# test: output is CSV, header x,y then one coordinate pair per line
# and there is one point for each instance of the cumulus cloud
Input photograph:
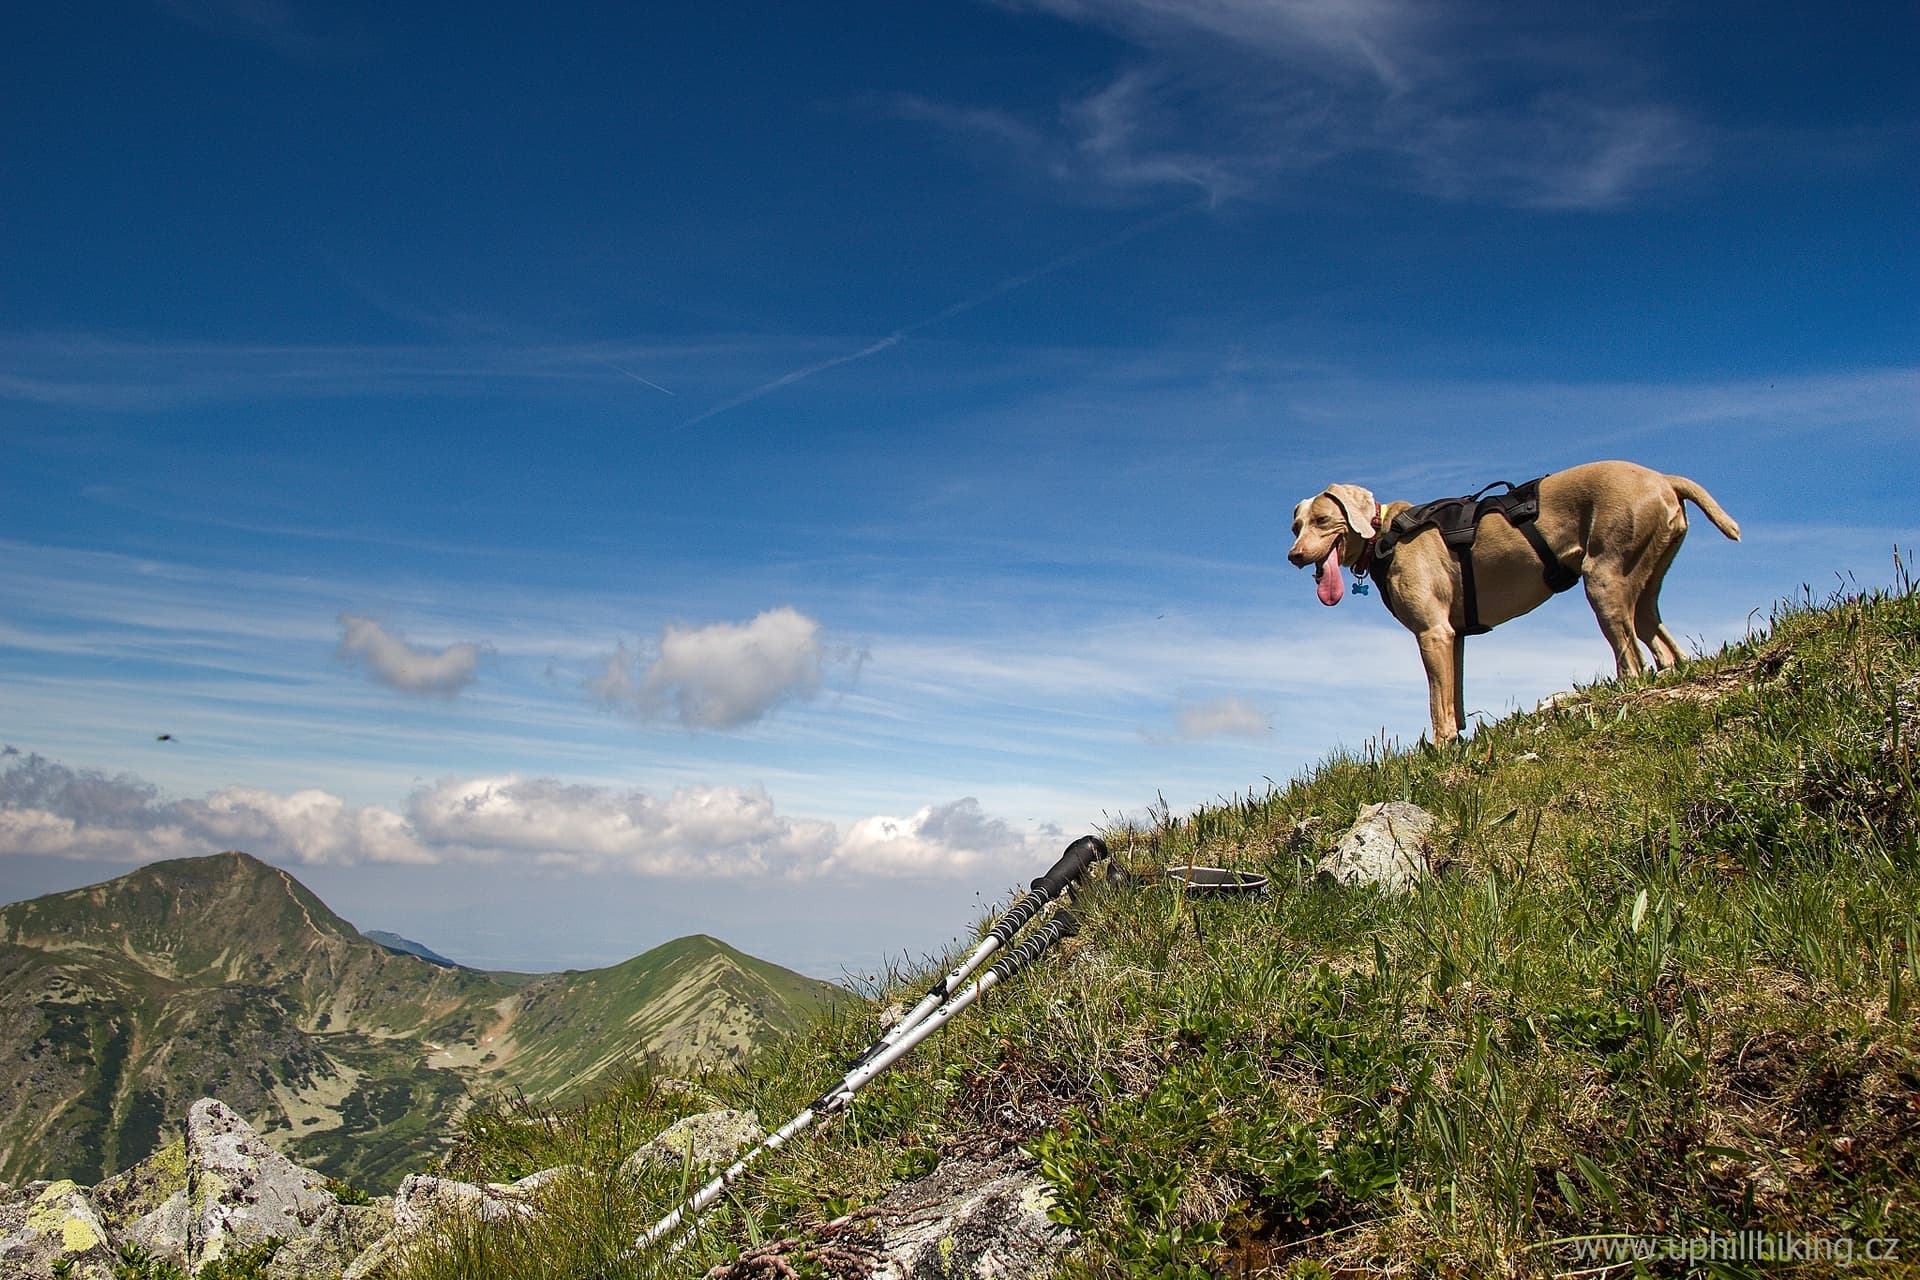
x,y
1223,717
703,831
48,808
943,839
719,676
694,831
409,668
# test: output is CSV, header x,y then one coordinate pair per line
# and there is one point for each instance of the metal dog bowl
x,y
1214,880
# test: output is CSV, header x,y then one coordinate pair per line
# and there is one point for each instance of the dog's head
x,y
1331,526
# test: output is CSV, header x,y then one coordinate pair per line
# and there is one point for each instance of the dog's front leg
x,y
1459,682
1439,654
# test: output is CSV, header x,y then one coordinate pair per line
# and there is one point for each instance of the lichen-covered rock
x,y
342,1234
1389,845
424,1200
709,1139
426,1203
241,1191
45,1225
374,1257
147,1206
969,1221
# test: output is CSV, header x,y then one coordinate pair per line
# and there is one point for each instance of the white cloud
x,y
704,831
694,831
310,825
1224,717
409,668
48,808
937,840
719,676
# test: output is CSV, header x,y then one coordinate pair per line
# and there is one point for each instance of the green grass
x,y
1666,988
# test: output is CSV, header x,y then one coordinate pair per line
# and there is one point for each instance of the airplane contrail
x,y
959,308
636,377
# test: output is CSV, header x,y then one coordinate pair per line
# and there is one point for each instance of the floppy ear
x,y
1362,512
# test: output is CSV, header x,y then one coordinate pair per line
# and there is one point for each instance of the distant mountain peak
x,y
408,947
224,976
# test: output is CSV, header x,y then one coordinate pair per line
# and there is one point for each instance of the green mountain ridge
x,y
123,1002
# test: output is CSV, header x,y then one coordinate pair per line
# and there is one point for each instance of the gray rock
x,y
425,1200
1390,845
373,1258
1554,701
425,1203
969,1221
341,1236
537,1182
709,1139
241,1191
48,1223
147,1204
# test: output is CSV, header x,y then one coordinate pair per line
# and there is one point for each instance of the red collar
x,y
1364,561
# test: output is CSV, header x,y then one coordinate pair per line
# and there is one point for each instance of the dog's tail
x,y
1685,488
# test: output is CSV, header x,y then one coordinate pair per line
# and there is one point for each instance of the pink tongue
x,y
1332,585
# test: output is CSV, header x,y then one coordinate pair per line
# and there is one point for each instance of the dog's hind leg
x,y
1614,597
1646,610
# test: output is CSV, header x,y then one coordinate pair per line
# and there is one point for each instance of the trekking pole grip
x,y
1073,864
1035,944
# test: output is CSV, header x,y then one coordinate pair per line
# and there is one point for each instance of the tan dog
x,y
1615,524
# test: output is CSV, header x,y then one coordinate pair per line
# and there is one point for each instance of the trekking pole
x,y
865,1068
1074,863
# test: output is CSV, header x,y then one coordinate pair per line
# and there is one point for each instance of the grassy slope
x,y
685,1003
1667,988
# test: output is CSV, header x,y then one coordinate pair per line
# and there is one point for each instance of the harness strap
x,y
1471,598
1458,520
1559,577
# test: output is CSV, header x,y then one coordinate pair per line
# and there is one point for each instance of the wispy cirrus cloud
x,y
410,668
1237,97
272,24
117,374
1374,39
699,831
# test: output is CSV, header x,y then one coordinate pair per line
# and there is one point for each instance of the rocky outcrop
x,y
222,1189
217,1190
708,1140
146,1206
52,1228
967,1221
426,1203
240,1191
1390,845
343,1234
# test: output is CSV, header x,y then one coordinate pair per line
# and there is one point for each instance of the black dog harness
x,y
1458,520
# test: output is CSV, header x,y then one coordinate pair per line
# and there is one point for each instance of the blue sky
x,y
568,481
